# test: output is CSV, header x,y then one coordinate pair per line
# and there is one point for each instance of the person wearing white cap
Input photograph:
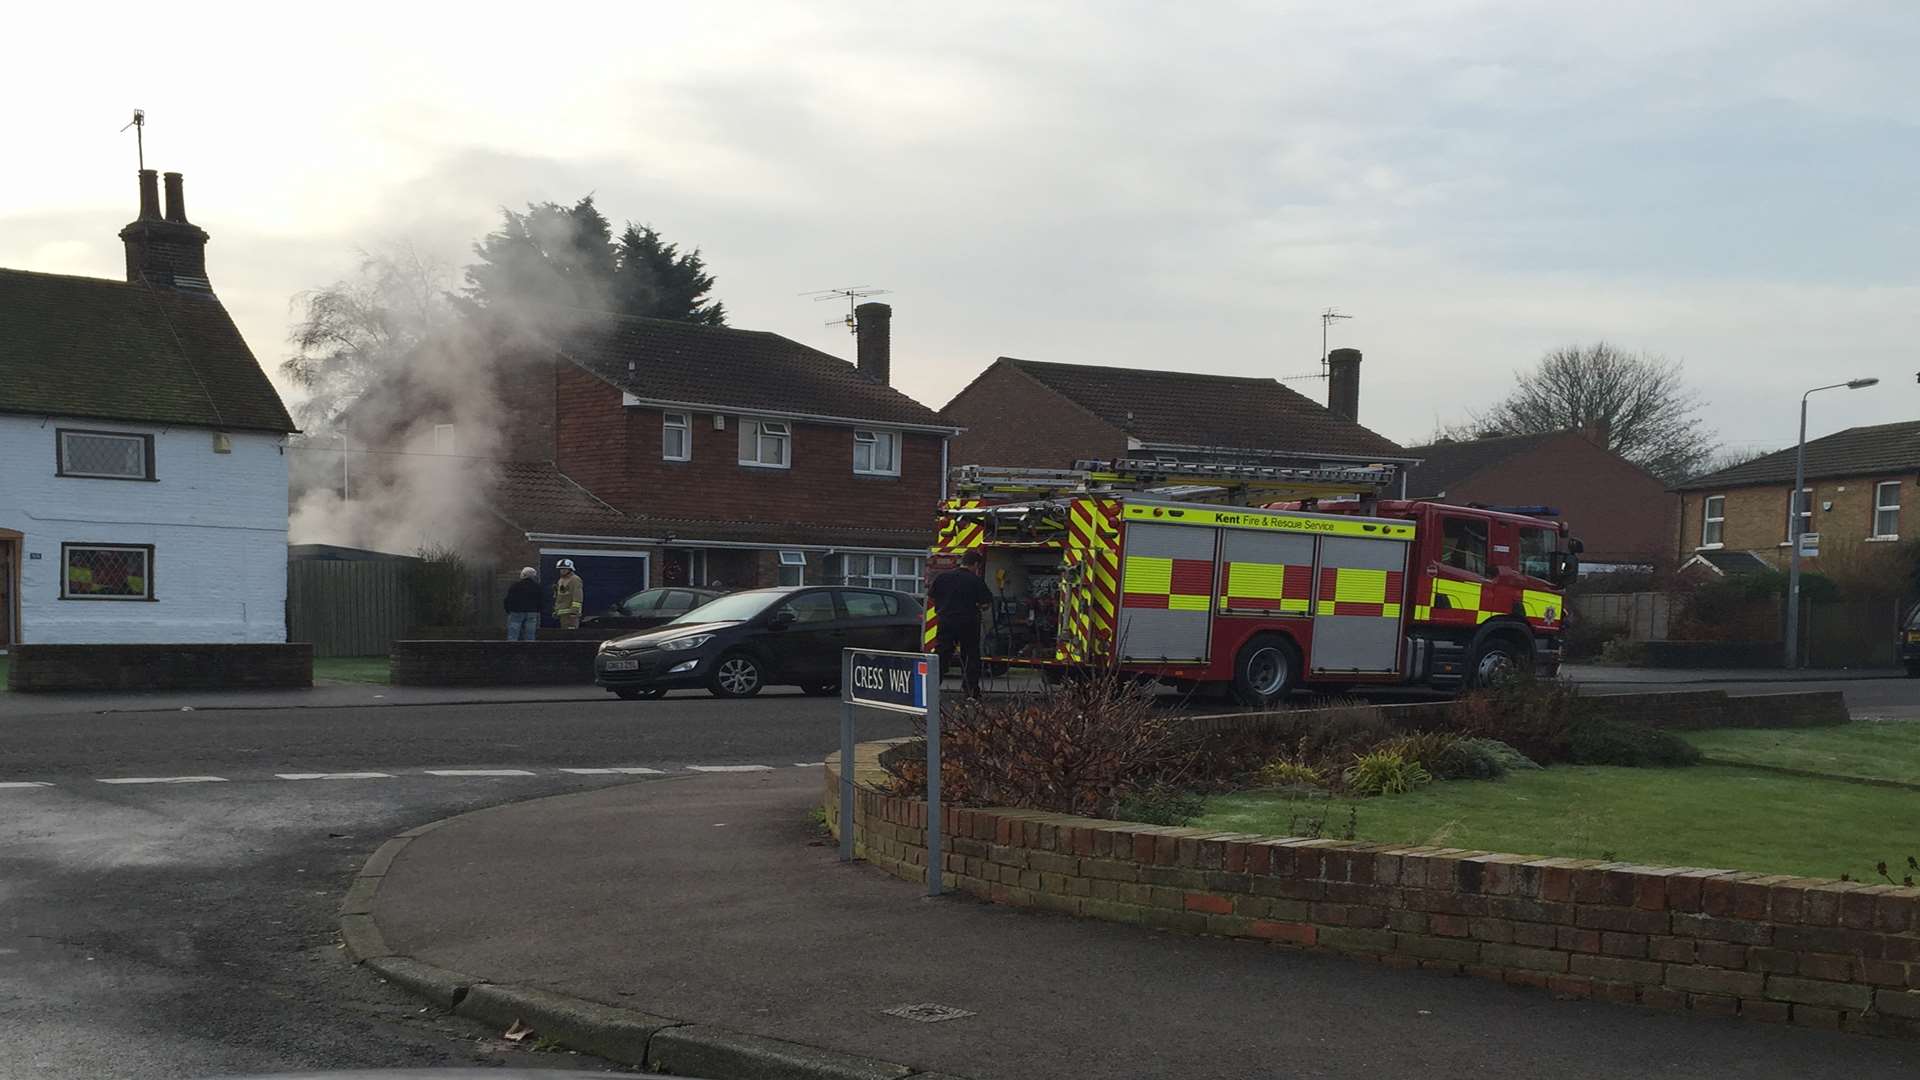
x,y
568,592
523,606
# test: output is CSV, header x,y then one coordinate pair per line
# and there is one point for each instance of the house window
x,y
1713,521
676,443
105,455
1886,510
766,443
876,453
793,568
106,572
901,573
443,441
1804,506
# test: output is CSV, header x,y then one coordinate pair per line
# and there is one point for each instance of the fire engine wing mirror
x,y
1564,567
1575,546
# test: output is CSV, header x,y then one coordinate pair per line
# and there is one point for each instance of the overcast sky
x,y
1142,184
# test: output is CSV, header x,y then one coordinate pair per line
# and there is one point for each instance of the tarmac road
x,y
187,928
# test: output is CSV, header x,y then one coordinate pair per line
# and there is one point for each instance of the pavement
x,y
183,921
715,901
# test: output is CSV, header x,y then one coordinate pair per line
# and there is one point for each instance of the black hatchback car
x,y
745,641
649,608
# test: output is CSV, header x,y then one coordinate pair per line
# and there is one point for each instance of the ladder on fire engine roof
x,y
1179,481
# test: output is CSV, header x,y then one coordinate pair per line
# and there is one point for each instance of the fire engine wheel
x,y
1265,670
1498,660
737,675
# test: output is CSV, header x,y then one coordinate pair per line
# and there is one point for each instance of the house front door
x,y
9,588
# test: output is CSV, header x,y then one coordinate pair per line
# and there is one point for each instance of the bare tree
x,y
351,332
1651,415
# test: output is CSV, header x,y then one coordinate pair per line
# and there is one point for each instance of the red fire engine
x,y
1261,578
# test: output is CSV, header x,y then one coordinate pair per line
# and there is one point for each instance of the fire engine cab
x,y
1261,579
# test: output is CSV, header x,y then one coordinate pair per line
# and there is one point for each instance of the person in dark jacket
x,y
524,603
958,598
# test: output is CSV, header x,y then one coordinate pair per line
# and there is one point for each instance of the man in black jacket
x,y
524,604
958,597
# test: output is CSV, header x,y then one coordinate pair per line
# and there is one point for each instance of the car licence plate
x,y
623,665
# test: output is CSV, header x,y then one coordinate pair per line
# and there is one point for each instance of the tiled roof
x,y
537,497
1735,562
111,350
1444,465
663,360
1861,451
1179,408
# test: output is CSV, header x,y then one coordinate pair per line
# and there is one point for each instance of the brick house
x,y
654,452
1619,511
1047,415
143,478
1856,483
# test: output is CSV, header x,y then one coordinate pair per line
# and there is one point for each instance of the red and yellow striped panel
x,y
1347,591
1266,587
1153,581
1452,602
955,535
1091,584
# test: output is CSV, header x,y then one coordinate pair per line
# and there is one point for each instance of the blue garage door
x,y
609,577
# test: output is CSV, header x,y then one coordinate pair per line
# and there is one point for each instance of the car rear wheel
x,y
1265,671
737,675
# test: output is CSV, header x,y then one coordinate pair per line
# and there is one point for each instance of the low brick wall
x,y
1808,951
1684,710
492,663
207,666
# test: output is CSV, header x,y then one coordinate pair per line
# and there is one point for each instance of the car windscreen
x,y
731,608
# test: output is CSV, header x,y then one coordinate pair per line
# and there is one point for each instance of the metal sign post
x,y
898,682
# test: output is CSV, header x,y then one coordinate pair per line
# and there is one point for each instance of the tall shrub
x,y
442,587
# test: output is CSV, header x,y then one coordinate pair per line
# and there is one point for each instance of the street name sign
x,y
887,680
904,682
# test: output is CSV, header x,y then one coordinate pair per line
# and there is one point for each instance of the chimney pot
x,y
176,199
149,195
1343,383
873,330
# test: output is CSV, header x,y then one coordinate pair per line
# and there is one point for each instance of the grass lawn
x,y
1709,816
366,669
1872,749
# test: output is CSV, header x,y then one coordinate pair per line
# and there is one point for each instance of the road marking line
x,y
478,772
24,783
334,776
164,780
624,770
729,768
808,764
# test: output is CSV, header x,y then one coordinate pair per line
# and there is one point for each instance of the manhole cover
x,y
927,1012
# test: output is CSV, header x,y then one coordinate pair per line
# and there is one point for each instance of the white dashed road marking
x,y
334,776
808,764
23,783
164,780
478,772
626,770
729,768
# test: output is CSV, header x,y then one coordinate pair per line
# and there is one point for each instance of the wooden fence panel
x,y
348,608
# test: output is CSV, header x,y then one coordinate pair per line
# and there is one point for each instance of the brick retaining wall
x,y
492,663
1685,710
192,666
1777,948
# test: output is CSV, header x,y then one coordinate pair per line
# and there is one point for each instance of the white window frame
x,y
444,439
682,423
762,433
1806,516
904,573
872,440
146,553
1709,519
62,457
1880,507
793,568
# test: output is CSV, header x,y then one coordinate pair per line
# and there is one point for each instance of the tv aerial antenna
x,y
139,126
853,295
1327,318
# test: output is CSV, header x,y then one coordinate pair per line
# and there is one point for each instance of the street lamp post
x,y
1794,519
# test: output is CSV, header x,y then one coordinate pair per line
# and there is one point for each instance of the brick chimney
x,y
873,328
1599,432
1343,383
165,252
